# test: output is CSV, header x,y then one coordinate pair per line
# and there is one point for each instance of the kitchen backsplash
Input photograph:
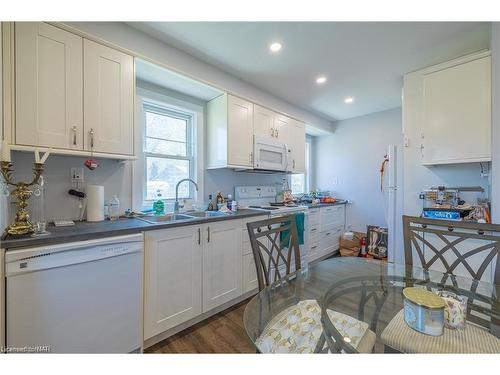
x,y
116,177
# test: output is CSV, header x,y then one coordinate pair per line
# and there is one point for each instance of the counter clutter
x,y
82,231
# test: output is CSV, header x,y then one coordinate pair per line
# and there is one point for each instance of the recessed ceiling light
x,y
320,80
348,100
275,47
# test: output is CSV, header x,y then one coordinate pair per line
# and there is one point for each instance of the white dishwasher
x,y
80,297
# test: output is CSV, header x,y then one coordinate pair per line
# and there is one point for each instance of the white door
x,y
49,104
282,127
298,147
172,293
222,263
109,99
240,132
263,122
457,113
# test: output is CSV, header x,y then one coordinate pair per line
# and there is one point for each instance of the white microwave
x,y
270,154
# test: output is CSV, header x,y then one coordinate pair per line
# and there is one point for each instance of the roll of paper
x,y
95,203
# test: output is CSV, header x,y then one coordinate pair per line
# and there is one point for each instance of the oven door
x,y
270,154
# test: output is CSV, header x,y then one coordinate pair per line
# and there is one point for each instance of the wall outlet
x,y
76,174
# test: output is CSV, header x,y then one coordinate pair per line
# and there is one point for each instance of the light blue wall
x,y
348,163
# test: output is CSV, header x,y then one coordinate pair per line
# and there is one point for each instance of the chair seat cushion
x,y
298,328
473,339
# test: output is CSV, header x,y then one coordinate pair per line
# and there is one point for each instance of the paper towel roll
x,y
95,203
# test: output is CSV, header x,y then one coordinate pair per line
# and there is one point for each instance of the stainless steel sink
x,y
166,218
206,214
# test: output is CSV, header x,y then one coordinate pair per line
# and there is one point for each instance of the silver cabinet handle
x,y
277,133
74,129
293,163
272,132
91,132
313,247
208,234
328,233
199,236
314,229
251,158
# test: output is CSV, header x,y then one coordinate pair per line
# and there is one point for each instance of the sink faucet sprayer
x,y
176,203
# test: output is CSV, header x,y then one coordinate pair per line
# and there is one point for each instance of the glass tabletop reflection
x,y
368,292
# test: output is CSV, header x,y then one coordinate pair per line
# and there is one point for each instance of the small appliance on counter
x,y
447,203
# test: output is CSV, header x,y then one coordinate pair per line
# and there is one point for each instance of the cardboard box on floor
x,y
351,248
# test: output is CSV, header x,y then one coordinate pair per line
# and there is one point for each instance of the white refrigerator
x,y
392,191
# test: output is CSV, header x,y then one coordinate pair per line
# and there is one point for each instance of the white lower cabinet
x,y
222,262
173,289
325,226
249,274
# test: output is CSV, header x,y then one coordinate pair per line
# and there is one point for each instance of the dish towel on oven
x,y
299,223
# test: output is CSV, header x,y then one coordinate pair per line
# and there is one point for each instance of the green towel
x,y
299,223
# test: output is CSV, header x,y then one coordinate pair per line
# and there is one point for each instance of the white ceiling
x,y
361,59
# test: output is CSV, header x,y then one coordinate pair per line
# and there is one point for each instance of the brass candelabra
x,y
22,192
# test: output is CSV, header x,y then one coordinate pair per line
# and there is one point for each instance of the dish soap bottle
x,y
114,208
159,205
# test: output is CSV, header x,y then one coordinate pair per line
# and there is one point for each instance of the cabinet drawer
x,y
330,238
332,216
314,234
313,216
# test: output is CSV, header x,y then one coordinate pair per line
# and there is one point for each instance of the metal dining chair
x,y
275,248
455,248
277,257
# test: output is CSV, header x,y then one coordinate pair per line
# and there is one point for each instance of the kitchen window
x,y
168,151
300,183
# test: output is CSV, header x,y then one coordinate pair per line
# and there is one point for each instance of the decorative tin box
x,y
424,311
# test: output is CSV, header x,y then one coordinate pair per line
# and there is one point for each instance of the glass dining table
x,y
355,305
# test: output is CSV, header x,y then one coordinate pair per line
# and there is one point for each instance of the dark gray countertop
x,y
82,231
340,201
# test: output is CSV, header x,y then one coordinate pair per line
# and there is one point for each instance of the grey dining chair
x,y
455,248
277,257
275,248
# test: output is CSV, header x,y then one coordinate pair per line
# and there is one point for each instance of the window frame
x,y
151,106
308,165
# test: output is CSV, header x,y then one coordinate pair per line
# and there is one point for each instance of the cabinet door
x,y
222,263
109,99
282,127
172,293
457,113
249,274
263,122
298,146
48,86
239,132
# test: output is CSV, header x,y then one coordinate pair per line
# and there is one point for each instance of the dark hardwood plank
x,y
221,333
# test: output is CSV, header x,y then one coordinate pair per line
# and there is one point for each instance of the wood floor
x,y
221,333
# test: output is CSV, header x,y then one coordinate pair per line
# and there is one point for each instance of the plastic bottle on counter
x,y
159,205
114,208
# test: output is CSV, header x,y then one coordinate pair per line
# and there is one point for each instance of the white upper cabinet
x,y
457,113
297,146
282,128
263,122
230,132
269,124
48,80
109,99
71,93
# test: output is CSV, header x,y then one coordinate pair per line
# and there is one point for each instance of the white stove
x,y
262,198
